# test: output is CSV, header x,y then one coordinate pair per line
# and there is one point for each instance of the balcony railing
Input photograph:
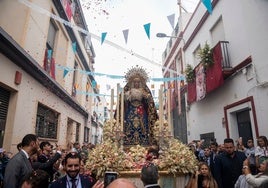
x,y
225,62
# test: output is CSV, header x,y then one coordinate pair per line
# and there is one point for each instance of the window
x,y
217,32
195,56
46,122
87,90
179,64
74,79
4,98
49,63
86,134
96,139
207,137
77,132
52,31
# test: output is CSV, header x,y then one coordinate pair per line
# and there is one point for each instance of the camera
x,y
109,177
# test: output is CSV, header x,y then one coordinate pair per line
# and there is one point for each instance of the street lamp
x,y
163,35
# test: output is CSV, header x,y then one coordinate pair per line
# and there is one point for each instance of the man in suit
x,y
19,166
228,165
73,179
149,176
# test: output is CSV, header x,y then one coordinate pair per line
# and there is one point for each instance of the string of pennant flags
x,y
70,8
81,92
94,84
171,19
66,70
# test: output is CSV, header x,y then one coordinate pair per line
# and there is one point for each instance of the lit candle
x,y
117,106
122,111
112,104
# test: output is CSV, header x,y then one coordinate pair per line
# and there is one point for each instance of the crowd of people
x,y
231,164
40,165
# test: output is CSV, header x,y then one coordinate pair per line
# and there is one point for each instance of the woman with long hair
x,y
262,149
202,178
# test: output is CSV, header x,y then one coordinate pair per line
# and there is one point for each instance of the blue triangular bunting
x,y
208,5
147,29
103,35
65,72
49,54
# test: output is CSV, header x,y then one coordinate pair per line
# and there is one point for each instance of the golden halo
x,y
137,73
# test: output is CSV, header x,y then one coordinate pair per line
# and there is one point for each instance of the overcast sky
x,y
114,16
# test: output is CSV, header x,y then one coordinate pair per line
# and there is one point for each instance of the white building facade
x,y
43,86
233,102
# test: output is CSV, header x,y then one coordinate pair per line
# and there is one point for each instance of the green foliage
x,y
206,56
189,73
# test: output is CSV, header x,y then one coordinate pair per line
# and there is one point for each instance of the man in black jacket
x,y
46,161
228,165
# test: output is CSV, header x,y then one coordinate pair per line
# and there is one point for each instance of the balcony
x,y
227,69
213,76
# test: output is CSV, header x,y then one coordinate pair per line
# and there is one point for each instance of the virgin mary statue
x,y
139,109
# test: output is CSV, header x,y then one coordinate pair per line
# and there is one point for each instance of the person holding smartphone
x,y
109,177
250,153
202,178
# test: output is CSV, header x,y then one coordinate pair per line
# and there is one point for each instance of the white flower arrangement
x,y
175,158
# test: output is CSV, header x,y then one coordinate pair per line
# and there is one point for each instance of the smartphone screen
x,y
109,177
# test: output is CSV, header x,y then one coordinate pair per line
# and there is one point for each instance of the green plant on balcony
x,y
189,73
206,56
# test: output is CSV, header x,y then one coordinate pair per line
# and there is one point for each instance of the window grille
x,y
46,122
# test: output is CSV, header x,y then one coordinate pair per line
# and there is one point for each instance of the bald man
x,y
121,182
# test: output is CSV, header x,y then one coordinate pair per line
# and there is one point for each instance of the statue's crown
x,y
137,72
